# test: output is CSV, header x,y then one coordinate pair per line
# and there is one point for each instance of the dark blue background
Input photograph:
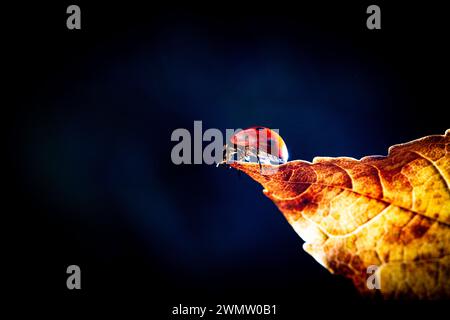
x,y
95,109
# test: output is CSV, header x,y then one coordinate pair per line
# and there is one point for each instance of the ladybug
x,y
256,144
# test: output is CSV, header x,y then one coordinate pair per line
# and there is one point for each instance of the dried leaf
x,y
392,212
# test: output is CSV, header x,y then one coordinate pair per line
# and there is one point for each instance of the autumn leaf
x,y
385,213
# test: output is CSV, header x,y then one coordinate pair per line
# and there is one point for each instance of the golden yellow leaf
x,y
385,213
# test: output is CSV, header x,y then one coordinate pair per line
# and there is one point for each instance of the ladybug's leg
x,y
259,161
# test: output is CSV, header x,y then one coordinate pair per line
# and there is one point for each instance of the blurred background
x,y
94,109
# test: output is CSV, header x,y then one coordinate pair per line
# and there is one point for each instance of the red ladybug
x,y
260,142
